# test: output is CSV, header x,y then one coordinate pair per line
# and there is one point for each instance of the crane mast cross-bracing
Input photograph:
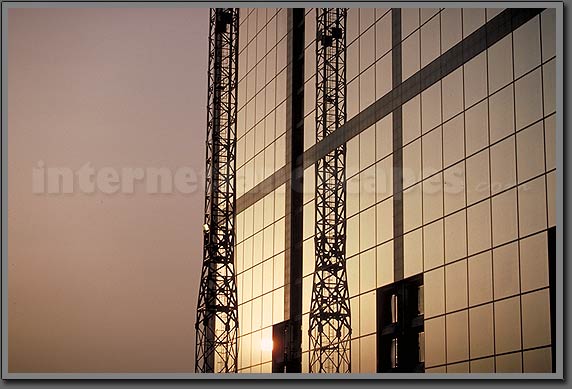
x,y
330,320
217,310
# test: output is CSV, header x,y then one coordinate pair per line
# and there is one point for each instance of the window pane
x,y
352,156
430,41
451,28
309,258
482,337
538,361
532,206
384,211
534,262
503,165
453,140
367,188
352,63
452,94
507,329
528,92
411,119
456,286
412,209
485,365
257,253
475,73
431,107
352,266
352,196
278,305
409,21
367,349
366,46
309,220
501,109
432,198
385,264
352,98
530,154
473,18
367,320
411,55
267,276
353,24
457,337
479,227
412,163
367,147
480,278
384,178
367,232
278,270
435,342
267,309
454,187
413,253
504,217
367,271
455,236
478,180
509,363
434,289
500,64
384,137
383,36
432,152
352,241
505,270
477,127
433,245
526,47
257,314
383,76
366,88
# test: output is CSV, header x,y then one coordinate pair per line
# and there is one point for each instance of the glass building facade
x,y
451,188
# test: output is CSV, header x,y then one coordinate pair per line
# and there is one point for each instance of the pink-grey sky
x,y
104,282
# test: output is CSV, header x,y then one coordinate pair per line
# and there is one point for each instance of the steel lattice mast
x,y
217,309
330,322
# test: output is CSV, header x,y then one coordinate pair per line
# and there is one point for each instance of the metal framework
x,y
330,321
217,309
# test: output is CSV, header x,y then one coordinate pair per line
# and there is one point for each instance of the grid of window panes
x,y
479,190
260,279
261,120
479,193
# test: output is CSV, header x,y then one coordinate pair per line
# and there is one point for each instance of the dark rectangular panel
x,y
294,184
396,60
400,327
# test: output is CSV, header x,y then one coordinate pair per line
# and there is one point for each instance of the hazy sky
x,y
104,282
